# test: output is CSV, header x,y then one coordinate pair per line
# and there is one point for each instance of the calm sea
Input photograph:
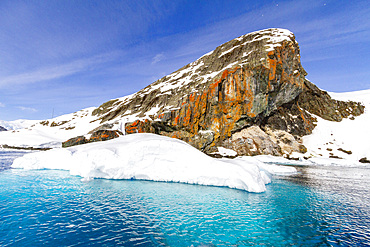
x,y
321,206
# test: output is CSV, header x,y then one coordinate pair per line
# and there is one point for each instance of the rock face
x,y
2,129
249,94
225,91
319,103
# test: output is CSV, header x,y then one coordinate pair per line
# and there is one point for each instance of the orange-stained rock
x,y
253,82
235,98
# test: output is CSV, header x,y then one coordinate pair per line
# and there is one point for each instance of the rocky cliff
x,y
2,129
249,94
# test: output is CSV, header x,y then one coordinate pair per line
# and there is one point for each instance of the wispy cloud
x,y
157,58
55,72
28,109
2,105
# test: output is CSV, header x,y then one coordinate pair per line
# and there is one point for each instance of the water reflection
x,y
349,207
347,181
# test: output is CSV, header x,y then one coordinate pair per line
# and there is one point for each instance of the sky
x,y
60,56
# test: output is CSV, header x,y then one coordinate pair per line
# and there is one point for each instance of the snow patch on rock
x,y
226,152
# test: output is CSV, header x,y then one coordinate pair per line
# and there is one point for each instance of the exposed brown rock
x,y
254,141
103,135
100,135
334,156
55,124
344,151
74,141
364,160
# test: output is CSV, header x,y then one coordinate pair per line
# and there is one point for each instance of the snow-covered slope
x,y
154,157
17,124
51,132
348,139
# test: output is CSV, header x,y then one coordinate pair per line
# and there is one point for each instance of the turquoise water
x,y
314,208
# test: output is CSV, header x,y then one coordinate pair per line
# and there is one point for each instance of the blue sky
x,y
63,55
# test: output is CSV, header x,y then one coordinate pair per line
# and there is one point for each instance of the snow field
x,y
349,135
45,136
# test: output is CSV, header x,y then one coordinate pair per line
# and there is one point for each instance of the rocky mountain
x,y
2,129
249,95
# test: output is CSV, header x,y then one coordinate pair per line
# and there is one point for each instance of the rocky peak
x,y
265,51
249,94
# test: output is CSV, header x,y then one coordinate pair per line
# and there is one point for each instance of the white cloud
x,y
2,105
157,58
29,109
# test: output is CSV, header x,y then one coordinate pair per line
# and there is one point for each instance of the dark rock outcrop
x,y
292,118
298,117
319,103
100,135
364,160
2,128
75,141
24,148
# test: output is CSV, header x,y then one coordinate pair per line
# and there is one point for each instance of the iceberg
x,y
152,157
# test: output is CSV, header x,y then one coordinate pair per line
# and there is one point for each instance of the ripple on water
x,y
53,208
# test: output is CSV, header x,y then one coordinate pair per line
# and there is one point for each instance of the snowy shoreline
x,y
153,157
156,158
